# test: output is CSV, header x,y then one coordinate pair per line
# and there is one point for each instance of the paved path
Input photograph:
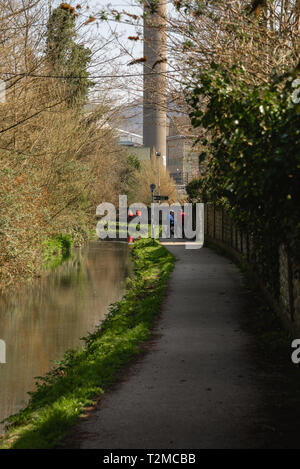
x,y
198,386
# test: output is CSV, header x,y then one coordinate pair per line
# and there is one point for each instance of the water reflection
x,y
40,323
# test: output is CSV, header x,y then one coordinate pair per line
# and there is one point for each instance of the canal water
x,y
39,323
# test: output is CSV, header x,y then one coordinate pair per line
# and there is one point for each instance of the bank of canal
x,y
85,373
40,322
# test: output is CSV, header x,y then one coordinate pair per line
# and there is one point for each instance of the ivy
x,y
66,57
253,154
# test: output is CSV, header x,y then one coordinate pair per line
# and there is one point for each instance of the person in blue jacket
x,y
171,218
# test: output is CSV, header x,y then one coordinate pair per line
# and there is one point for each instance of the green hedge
x,y
252,156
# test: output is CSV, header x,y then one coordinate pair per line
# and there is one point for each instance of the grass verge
x,y
82,374
57,249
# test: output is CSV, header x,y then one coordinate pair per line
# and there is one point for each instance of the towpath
x,y
202,383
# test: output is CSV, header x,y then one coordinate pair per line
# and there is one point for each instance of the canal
x,y
40,322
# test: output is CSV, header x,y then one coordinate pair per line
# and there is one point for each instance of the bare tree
x,y
57,163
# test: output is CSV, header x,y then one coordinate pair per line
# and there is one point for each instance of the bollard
x,y
130,240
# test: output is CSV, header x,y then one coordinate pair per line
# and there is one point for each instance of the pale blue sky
x,y
112,51
109,42
115,56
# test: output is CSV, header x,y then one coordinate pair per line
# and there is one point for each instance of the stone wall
x,y
221,231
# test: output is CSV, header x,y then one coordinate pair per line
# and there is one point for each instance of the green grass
x,y
57,249
84,374
119,229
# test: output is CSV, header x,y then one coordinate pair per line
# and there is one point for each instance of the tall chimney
x,y
155,102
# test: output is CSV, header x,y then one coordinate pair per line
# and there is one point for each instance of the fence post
x,y
222,224
214,222
247,242
291,286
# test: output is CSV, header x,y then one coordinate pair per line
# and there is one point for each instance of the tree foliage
x,y
262,35
253,153
58,160
194,189
66,57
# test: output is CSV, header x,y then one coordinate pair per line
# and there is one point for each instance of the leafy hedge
x,y
57,249
252,156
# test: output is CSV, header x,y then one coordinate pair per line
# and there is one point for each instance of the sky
x,y
128,88
124,30
112,50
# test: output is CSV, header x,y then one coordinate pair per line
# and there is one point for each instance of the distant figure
x,y
171,218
